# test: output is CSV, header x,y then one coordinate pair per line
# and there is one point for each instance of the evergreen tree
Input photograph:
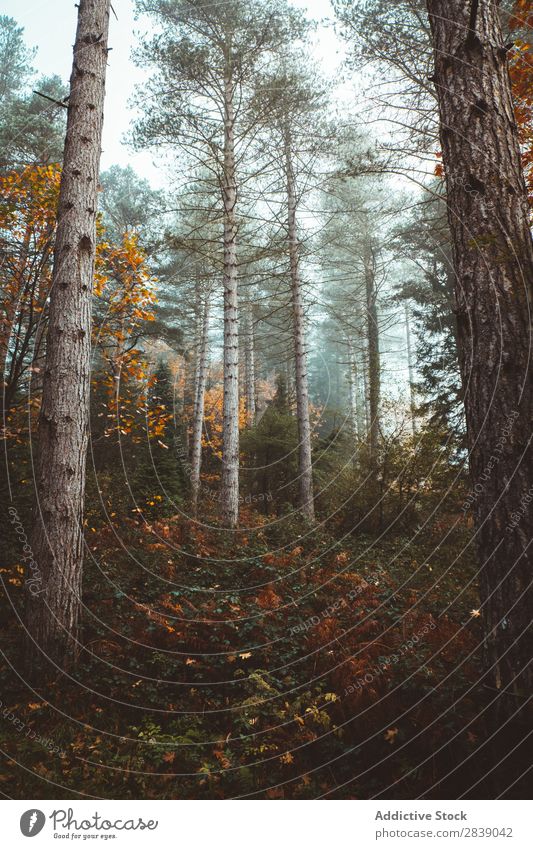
x,y
159,480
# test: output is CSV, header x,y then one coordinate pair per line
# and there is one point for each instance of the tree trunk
x,y
53,607
305,467
230,427
493,261
289,381
198,415
249,366
353,380
38,359
10,307
362,371
365,393
197,338
193,371
410,370
374,363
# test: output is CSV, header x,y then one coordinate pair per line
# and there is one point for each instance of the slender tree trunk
x,y
493,261
410,370
289,381
53,608
38,358
365,395
361,386
374,363
198,324
193,371
306,498
230,427
10,309
353,379
249,366
198,416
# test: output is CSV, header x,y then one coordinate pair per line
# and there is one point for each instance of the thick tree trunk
x,y
374,362
230,427
493,260
249,365
198,415
305,467
53,609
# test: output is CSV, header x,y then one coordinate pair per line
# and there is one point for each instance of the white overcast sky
x,y
49,25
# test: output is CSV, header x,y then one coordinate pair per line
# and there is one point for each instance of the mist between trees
x,y
277,415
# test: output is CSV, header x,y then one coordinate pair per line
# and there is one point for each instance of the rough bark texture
x,y
57,541
374,362
249,366
198,415
230,428
493,260
305,466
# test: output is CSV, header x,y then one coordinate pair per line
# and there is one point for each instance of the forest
x,y
267,403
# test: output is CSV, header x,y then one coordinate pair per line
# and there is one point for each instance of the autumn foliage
x,y
521,71
124,296
28,203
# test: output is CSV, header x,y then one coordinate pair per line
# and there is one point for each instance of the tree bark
x,y
249,365
193,371
493,261
353,381
199,401
410,370
38,359
365,395
53,608
305,466
230,427
374,362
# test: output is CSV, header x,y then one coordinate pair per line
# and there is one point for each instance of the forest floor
x,y
314,668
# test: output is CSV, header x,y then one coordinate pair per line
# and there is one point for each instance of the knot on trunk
x,y
86,244
473,186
